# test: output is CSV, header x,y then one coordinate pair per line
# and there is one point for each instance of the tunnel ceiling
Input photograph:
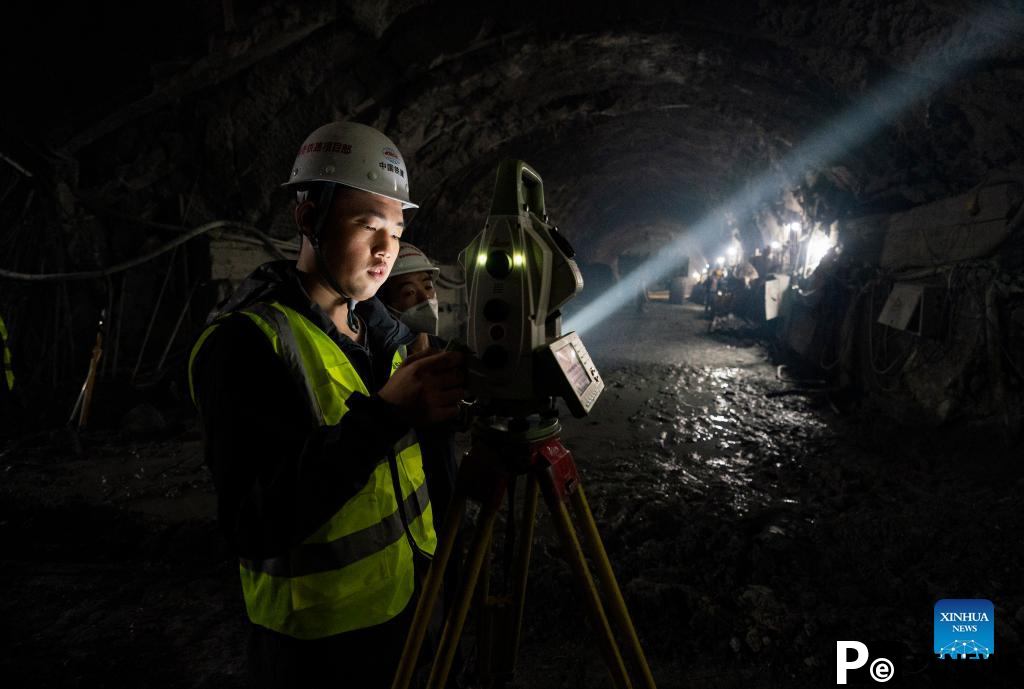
x,y
636,114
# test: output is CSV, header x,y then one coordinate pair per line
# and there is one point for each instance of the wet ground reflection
x,y
751,528
707,431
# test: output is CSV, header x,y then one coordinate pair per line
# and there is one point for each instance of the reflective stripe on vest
x,y
313,558
356,570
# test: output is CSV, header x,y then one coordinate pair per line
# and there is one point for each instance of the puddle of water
x,y
710,431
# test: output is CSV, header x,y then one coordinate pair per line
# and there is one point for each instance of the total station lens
x,y
496,310
495,356
499,264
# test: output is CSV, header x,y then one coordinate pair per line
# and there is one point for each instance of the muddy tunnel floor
x,y
750,529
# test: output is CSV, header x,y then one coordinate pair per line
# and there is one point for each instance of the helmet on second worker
x,y
353,155
412,260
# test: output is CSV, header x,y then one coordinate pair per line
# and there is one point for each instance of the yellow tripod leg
x,y
507,649
485,622
522,567
603,567
592,601
457,617
430,594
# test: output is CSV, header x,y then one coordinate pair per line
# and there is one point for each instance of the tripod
x,y
498,455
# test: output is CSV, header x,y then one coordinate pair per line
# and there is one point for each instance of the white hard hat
x,y
356,156
412,260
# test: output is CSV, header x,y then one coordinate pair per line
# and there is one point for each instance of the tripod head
x,y
519,272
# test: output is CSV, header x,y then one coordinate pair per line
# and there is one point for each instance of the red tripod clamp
x,y
562,466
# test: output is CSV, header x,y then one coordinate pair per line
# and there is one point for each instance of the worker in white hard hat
x,y
409,295
308,402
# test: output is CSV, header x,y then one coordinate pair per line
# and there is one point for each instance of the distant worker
x,y
773,257
308,404
10,412
745,272
7,384
711,286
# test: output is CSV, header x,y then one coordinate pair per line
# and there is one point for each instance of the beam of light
x,y
817,246
936,66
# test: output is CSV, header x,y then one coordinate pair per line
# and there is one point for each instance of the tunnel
x,y
798,229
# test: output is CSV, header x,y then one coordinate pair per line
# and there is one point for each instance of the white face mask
x,y
421,318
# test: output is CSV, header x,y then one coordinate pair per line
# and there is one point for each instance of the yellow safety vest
x,y
7,369
356,570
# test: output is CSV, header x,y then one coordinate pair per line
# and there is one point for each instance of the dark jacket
x,y
278,476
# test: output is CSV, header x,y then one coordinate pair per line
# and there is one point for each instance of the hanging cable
x,y
159,251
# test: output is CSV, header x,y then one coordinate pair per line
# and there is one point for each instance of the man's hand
x,y
427,387
420,344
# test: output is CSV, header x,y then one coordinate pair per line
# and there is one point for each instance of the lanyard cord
x,y
393,466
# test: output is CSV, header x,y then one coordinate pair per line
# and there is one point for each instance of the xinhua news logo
x,y
964,629
855,664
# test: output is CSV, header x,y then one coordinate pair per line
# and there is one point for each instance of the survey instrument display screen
x,y
569,362
576,379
